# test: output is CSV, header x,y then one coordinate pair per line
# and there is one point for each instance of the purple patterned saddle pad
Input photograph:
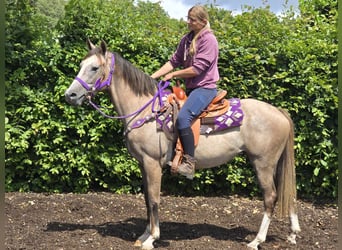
x,y
232,118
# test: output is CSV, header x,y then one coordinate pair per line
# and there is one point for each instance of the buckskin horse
x,y
266,135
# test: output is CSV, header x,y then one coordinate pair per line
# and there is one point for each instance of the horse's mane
x,y
139,82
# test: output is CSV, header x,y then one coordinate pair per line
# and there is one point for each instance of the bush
x,y
290,62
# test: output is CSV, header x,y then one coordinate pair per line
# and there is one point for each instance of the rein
x,y
158,95
99,85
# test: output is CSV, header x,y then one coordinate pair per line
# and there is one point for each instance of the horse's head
x,y
90,78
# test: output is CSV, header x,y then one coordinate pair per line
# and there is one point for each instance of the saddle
x,y
218,106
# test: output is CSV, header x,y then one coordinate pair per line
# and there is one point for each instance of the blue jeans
x,y
197,101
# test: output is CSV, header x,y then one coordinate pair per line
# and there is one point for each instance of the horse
x,y
266,136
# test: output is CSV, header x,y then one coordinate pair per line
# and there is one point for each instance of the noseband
x,y
98,84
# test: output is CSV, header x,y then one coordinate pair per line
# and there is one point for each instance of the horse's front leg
x,y
151,173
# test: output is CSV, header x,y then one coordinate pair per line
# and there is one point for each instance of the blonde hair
x,y
200,13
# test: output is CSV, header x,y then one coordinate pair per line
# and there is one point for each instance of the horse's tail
x,y
286,175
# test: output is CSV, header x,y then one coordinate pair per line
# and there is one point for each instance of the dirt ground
x,y
112,221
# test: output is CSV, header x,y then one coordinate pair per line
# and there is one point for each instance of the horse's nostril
x,y
73,98
70,95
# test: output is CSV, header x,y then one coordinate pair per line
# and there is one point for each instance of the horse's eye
x,y
94,68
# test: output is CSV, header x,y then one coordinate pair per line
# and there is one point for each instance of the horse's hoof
x,y
292,239
252,246
137,243
147,247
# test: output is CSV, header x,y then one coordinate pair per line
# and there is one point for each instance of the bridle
x,y
98,84
101,84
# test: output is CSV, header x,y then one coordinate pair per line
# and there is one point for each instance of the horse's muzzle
x,y
73,98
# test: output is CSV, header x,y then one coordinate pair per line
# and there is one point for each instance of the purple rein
x,y
99,85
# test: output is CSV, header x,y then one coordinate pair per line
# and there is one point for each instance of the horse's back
x,y
262,115
264,129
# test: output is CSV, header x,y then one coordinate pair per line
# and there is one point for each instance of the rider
x,y
196,57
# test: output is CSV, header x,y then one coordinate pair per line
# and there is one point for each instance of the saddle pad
x,y
232,118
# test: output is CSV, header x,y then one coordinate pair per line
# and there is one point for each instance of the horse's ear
x,y
90,44
103,46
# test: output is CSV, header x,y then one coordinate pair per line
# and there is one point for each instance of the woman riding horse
x,y
197,53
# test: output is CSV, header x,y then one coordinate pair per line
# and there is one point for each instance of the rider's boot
x,y
187,167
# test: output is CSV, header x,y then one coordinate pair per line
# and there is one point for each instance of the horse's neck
x,y
126,102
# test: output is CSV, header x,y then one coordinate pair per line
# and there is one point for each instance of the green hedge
x,y
290,62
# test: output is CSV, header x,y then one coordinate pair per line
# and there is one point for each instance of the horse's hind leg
x,y
295,228
265,176
152,181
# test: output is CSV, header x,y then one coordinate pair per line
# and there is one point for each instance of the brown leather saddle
x,y
218,106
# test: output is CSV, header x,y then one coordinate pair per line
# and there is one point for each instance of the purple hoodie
x,y
204,61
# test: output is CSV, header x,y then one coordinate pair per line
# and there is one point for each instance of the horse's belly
x,y
215,150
